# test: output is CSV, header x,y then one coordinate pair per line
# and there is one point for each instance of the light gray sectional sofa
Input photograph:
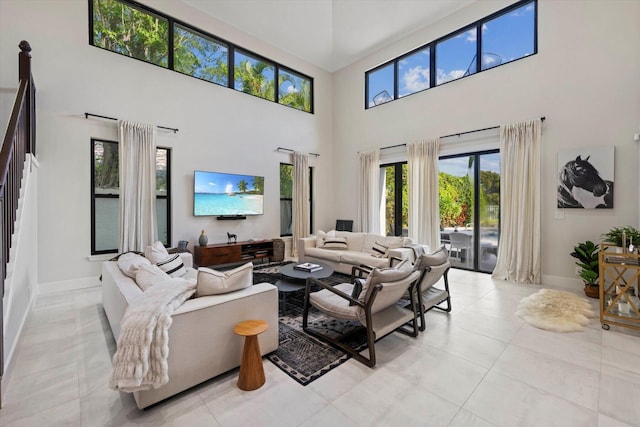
x,y
202,344
360,249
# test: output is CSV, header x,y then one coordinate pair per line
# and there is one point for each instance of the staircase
x,y
18,150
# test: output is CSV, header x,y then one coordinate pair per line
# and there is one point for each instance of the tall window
x,y
105,194
286,199
396,201
137,31
497,39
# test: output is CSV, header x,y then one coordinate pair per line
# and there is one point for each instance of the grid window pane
x,y
161,171
253,76
129,31
456,56
413,73
380,85
200,56
294,90
105,167
107,223
509,37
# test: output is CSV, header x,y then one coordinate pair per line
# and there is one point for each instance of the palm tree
x,y
258,184
242,186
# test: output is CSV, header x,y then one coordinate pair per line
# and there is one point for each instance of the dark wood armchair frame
x,y
420,301
411,328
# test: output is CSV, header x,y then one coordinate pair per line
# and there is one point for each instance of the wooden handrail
x,y
19,140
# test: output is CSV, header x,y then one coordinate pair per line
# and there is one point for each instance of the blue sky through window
x,y
381,81
510,36
506,38
413,72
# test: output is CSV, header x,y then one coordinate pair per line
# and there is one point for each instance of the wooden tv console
x,y
228,253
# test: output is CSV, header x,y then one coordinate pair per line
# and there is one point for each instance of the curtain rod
x,y
289,150
455,134
86,116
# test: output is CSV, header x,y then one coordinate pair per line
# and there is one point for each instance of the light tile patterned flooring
x,y
478,366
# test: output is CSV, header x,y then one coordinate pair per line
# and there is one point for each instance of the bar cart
x,y
619,287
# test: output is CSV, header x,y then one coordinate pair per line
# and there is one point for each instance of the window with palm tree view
x,y
469,188
134,30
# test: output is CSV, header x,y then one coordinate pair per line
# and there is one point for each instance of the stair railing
x,y
19,140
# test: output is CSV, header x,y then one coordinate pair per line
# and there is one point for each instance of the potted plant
x,y
587,255
614,236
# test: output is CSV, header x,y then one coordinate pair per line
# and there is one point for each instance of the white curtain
x,y
519,252
369,206
300,199
137,157
424,197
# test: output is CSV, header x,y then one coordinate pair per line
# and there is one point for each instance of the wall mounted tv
x,y
227,195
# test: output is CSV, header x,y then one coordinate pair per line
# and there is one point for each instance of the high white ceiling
x,y
329,33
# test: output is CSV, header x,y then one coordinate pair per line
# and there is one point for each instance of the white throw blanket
x,y
140,362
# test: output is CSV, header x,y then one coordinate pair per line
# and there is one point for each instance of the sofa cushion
x,y
214,282
354,240
321,235
173,266
335,243
357,258
149,275
156,252
333,255
130,262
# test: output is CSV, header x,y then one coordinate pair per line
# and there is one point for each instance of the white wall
x,y
220,129
584,79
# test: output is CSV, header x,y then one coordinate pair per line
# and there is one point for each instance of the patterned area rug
x,y
301,356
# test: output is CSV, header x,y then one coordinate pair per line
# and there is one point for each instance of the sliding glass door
x,y
470,209
395,201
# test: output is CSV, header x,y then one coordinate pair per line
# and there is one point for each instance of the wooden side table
x,y
251,370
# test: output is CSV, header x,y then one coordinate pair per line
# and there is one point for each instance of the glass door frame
x,y
476,204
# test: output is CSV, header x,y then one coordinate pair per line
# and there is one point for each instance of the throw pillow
x,y
149,275
214,282
380,250
173,266
335,243
129,263
439,257
321,235
156,252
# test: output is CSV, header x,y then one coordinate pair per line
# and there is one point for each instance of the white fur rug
x,y
556,311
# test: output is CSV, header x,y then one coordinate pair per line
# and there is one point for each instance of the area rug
x,y
301,356
556,311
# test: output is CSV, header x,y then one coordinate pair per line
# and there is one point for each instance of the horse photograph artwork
x,y
585,178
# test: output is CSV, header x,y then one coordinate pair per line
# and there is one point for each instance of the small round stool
x,y
251,370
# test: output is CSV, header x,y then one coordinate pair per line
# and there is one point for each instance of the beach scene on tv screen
x,y
227,194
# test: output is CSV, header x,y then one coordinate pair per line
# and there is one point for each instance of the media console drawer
x,y
228,253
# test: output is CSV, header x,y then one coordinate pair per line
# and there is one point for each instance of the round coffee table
x,y
294,280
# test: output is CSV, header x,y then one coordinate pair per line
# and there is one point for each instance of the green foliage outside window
x,y
199,56
133,31
129,31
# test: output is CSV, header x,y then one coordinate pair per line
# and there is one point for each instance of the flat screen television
x,y
226,194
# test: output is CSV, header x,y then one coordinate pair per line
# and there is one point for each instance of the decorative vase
x,y
203,239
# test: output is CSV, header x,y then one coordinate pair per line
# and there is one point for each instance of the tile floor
x,y
478,366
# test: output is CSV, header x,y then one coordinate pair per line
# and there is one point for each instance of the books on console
x,y
308,267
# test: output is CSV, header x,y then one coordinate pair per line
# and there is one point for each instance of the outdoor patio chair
x,y
374,306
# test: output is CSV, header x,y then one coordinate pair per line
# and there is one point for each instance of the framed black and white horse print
x,y
585,178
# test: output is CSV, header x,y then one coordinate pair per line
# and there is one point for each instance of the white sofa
x,y
359,250
202,344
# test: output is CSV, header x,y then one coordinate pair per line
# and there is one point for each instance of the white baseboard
x,y
562,282
68,285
